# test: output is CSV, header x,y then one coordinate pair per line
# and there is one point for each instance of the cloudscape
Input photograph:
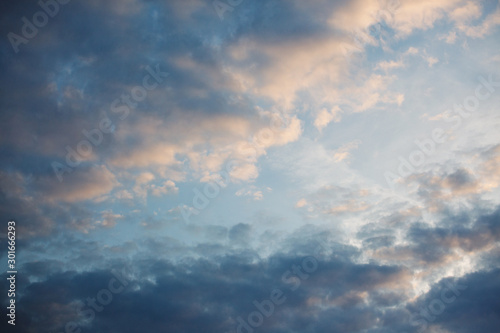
x,y
241,166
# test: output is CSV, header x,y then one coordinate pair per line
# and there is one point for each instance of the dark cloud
x,y
464,305
342,294
240,233
209,295
432,244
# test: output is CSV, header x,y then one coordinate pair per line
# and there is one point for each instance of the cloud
x,y
251,97
240,233
441,187
231,138
471,11
415,14
109,219
168,187
253,192
301,203
343,152
388,65
82,184
210,296
324,117
144,185
446,245
470,309
431,61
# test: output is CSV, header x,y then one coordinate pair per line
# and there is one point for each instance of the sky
x,y
277,166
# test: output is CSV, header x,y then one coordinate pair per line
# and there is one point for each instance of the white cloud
x,y
387,65
253,192
168,187
301,203
324,117
344,152
431,61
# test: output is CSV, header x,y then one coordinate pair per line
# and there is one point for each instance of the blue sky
x,y
202,149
